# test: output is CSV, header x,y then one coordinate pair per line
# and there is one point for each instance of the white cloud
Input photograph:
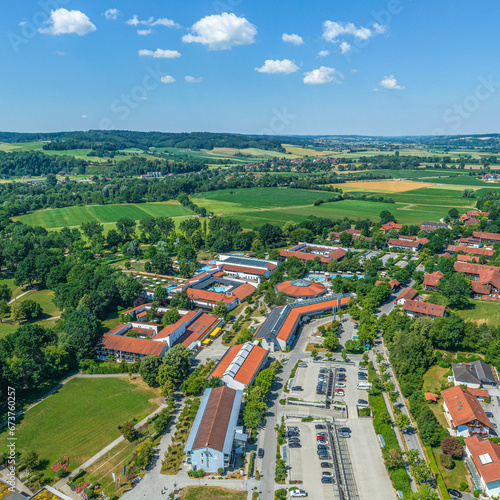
x,y
144,32
60,53
63,21
221,32
112,14
390,83
345,47
293,38
192,79
22,23
323,53
165,22
151,21
323,75
278,67
167,79
84,116
160,53
332,30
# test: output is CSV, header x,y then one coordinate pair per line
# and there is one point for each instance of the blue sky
x,y
393,67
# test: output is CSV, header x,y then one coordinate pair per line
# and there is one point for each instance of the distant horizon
x,y
385,69
284,136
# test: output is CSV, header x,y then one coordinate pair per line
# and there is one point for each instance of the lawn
x,y
452,477
211,493
433,378
81,418
45,299
482,311
107,214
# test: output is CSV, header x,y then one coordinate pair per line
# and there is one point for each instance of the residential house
x,y
483,462
432,226
395,284
405,244
128,349
487,237
431,281
464,413
215,437
408,294
240,365
309,251
416,309
390,225
487,253
473,374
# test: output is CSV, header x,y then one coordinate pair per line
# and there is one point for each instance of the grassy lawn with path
x,y
483,311
211,493
81,418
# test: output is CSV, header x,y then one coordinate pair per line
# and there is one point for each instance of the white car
x,y
297,493
340,385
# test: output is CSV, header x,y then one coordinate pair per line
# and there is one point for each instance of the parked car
x,y
489,414
323,434
322,447
323,370
292,433
340,385
327,473
494,425
294,445
297,493
321,438
327,480
344,435
320,426
341,369
297,388
454,493
302,365
260,453
362,402
363,367
339,392
326,465
291,428
344,429
294,440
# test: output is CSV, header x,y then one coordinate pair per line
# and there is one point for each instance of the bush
x,y
452,447
463,486
476,494
447,462
280,494
220,471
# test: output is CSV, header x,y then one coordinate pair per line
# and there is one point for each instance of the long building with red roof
x,y
279,330
483,462
240,365
311,251
487,237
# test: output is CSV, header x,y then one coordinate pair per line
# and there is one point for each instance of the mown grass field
x,y
81,418
482,311
75,216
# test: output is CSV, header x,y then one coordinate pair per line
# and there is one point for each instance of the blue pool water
x,y
203,269
219,289
237,253
333,276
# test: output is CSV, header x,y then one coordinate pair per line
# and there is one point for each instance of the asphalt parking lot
x,y
306,466
307,378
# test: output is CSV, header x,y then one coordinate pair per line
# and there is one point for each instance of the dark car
x,y
362,402
344,435
454,493
326,480
297,388
344,429
341,369
322,447
294,445
260,453
292,433
323,456
326,465
323,370
320,426
294,440
327,474
489,414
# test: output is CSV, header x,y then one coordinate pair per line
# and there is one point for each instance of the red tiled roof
x,y
489,277
247,370
206,296
130,344
480,289
243,291
246,269
430,396
334,255
490,472
479,393
391,225
394,283
403,243
213,425
169,329
197,329
476,269
467,258
432,279
313,290
474,251
424,308
294,315
464,407
486,236
408,294
471,222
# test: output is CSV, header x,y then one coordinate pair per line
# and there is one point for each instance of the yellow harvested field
x,y
297,150
387,186
225,151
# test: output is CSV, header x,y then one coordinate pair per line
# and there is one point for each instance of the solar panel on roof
x,y
250,262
